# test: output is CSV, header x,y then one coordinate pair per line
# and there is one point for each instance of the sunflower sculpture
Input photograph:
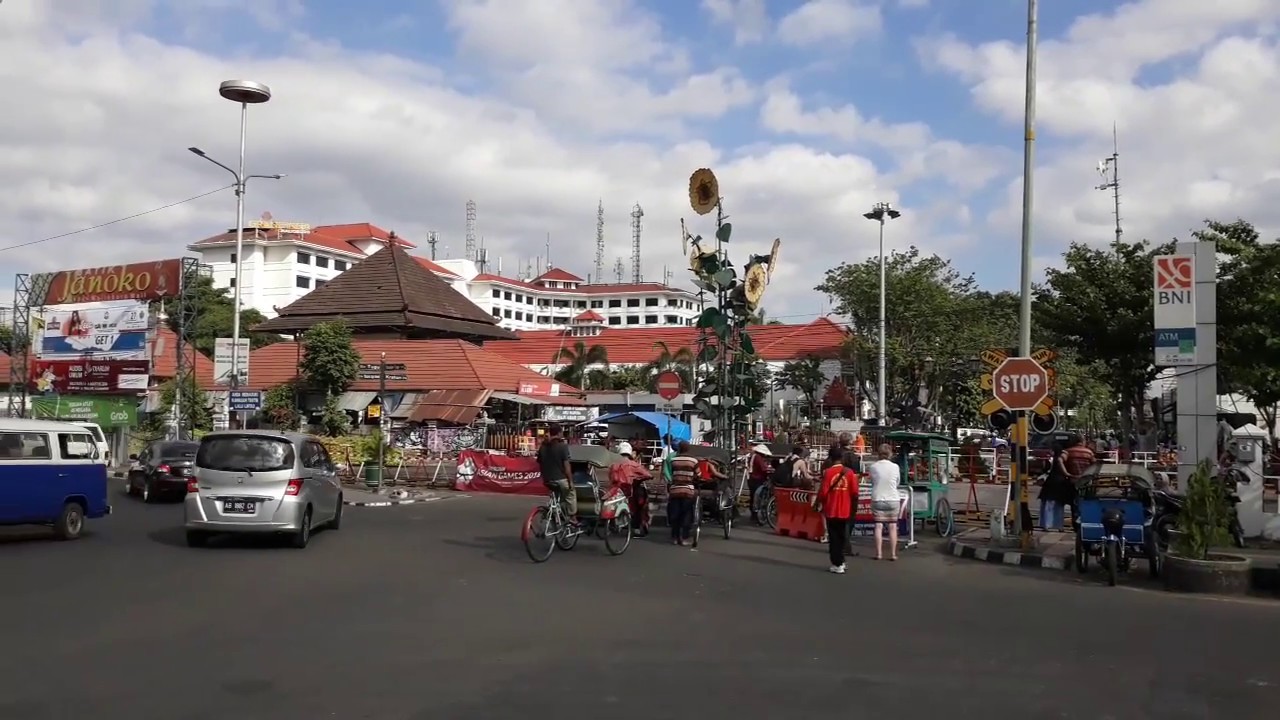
x,y
704,191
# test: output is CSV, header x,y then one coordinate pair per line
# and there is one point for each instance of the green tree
x,y
334,419
1248,314
1085,401
280,406
6,339
330,362
196,415
214,310
805,376
633,378
576,361
1100,303
933,315
680,360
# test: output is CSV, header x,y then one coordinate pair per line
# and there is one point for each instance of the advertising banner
x,y
538,388
479,471
222,360
90,377
107,412
109,333
1175,310
140,281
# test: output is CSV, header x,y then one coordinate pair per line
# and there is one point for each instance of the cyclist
x,y
553,462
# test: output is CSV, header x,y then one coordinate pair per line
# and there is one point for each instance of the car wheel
x,y
336,522
303,535
195,538
70,521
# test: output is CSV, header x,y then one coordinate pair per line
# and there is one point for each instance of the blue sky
x,y
397,112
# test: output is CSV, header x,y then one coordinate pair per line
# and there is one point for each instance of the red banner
x,y
92,377
139,281
479,471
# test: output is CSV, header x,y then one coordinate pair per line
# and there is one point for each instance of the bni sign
x,y
1175,310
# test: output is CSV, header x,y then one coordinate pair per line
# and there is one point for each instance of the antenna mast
x,y
600,241
471,230
1109,168
548,251
432,239
637,212
620,270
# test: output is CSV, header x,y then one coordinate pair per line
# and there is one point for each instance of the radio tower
x,y
620,270
471,230
1109,168
600,242
432,239
637,212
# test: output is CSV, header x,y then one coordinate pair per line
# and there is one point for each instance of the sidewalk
x,y
1056,551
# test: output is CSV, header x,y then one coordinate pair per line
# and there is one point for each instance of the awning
x,y
356,400
522,399
665,424
407,401
459,407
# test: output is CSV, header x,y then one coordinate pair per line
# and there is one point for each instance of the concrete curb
x,y
389,503
999,556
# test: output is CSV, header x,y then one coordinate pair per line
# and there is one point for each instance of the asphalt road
x,y
434,611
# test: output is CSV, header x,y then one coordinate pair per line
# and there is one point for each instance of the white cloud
x,y
104,124
749,19
830,20
1193,88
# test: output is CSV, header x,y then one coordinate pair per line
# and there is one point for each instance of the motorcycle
x,y
1169,505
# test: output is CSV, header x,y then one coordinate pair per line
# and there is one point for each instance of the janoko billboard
x,y
137,281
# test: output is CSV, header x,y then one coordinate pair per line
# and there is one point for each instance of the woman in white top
x,y
886,503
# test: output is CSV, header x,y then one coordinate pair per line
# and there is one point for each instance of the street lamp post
x,y
881,212
245,92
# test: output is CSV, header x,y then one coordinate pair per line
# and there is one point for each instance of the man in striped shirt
x,y
681,494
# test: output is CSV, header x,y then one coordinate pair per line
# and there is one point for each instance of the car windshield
x,y
245,453
178,451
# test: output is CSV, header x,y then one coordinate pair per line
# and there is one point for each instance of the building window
x,y
633,302
651,302
320,283
672,320
544,319
340,265
506,314
543,302
322,261
497,293
597,304
519,315
233,258
650,319
615,320
615,303
673,303
528,300
302,281
633,319
506,296
581,304
497,313
232,283
304,258
560,303
519,298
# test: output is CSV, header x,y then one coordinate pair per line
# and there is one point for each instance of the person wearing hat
x,y
630,475
758,479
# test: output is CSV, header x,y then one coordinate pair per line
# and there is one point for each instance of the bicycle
x,y
548,521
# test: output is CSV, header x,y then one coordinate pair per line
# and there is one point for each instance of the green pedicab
x,y
926,461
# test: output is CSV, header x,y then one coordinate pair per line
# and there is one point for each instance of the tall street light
x,y
881,212
245,92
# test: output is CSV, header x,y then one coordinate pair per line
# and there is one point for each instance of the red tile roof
x,y
429,365
559,274
490,277
338,238
437,269
4,368
360,231
589,316
779,343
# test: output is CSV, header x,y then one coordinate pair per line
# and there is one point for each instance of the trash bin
x,y
372,476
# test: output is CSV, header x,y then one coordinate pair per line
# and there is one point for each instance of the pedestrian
x,y
835,502
1056,493
886,502
681,494
630,476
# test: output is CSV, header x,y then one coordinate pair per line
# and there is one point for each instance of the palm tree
x,y
577,361
681,361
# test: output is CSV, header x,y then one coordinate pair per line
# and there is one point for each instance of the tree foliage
x,y
195,413
577,362
330,362
280,406
805,376
214,310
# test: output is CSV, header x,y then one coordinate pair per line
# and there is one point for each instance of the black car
x,y
162,470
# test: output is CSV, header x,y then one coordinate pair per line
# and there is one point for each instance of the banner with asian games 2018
x,y
118,332
479,471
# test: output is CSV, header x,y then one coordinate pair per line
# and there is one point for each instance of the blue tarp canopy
x,y
665,424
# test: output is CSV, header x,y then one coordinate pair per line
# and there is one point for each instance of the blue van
x,y
51,473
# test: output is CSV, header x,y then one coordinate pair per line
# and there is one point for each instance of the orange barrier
x,y
796,517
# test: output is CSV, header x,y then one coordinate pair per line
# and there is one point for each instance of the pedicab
x,y
602,511
1115,506
716,501
925,460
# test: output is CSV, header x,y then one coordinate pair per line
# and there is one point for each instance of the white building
x,y
284,261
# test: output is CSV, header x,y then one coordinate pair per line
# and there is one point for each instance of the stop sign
x,y
669,385
1020,383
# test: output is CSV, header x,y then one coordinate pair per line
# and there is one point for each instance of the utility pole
x,y
1109,169
1022,514
881,212
382,416
432,239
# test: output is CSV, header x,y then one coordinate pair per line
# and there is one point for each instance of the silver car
x,y
262,481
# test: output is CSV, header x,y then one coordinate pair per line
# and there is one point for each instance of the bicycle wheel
x,y
771,513
1111,562
726,516
539,533
697,520
617,536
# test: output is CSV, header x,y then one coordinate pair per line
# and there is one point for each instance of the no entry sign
x,y
1020,383
669,385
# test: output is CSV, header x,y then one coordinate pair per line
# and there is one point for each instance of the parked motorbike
x,y
1169,505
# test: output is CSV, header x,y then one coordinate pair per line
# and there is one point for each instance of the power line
x,y
118,220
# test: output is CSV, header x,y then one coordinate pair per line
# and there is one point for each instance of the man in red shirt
x,y
835,496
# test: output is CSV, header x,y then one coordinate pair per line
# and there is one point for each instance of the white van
x,y
51,473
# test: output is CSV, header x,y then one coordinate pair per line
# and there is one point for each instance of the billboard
x,y
118,333
108,412
222,361
139,281
89,376
1175,310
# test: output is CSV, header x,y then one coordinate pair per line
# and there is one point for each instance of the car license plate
x,y
241,507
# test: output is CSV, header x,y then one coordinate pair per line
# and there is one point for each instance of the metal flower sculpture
x,y
729,389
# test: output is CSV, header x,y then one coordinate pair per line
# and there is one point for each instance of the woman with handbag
x,y
834,501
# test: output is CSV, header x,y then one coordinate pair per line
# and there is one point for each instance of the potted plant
x,y
1192,564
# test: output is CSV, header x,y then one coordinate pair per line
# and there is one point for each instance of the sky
x,y
398,112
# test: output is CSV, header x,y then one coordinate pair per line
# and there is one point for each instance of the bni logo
x,y
1175,279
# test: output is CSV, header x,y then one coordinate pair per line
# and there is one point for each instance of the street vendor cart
x,y
926,461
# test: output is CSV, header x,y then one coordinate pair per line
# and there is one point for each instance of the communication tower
x,y
471,230
637,213
620,270
1109,169
432,238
